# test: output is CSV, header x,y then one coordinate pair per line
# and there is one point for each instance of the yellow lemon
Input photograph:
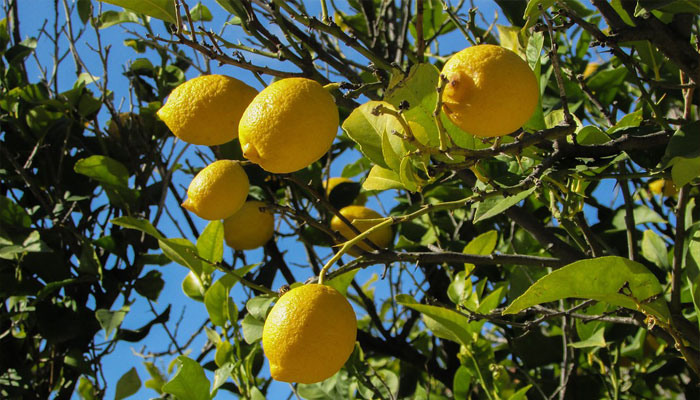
x,y
249,227
289,125
206,110
309,334
217,191
355,214
663,186
490,90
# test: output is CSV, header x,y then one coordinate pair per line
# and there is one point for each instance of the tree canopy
x,y
560,261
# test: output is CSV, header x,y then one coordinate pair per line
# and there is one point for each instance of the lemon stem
x,y
349,244
442,133
332,86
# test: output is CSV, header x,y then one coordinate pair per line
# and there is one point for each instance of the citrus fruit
x,y
206,110
490,90
217,191
381,237
309,334
249,227
664,187
289,125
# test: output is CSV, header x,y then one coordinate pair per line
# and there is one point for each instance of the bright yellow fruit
x,y
249,228
663,186
309,334
206,110
490,90
217,191
289,125
381,237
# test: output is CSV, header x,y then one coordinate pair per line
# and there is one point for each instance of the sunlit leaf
x,y
189,383
161,9
615,280
128,385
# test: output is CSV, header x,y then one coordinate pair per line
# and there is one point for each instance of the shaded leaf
x,y
596,340
252,329
128,385
103,169
110,320
654,249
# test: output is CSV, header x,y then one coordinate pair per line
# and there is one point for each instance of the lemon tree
x,y
527,172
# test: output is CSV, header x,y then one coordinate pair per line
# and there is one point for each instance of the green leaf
x,y
110,320
183,252
216,302
110,18
520,394
685,170
493,206
418,90
139,224
128,385
12,215
631,120
444,323
654,249
224,353
382,179
86,390
192,287
596,340
591,135
341,282
161,9
210,243
258,306
367,129
157,379
222,374
642,215
200,12
150,285
89,262
481,245
189,383
601,279
252,329
103,169
408,176
84,10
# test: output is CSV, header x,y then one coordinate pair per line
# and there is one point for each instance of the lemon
x,y
206,110
249,227
664,187
490,90
381,237
309,334
289,125
217,191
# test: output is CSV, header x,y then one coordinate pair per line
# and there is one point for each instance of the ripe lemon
x,y
490,90
206,110
249,227
309,334
381,237
217,191
663,186
289,125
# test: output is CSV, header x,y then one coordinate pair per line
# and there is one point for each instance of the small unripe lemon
x,y
206,110
309,334
249,227
289,125
490,90
217,191
356,214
